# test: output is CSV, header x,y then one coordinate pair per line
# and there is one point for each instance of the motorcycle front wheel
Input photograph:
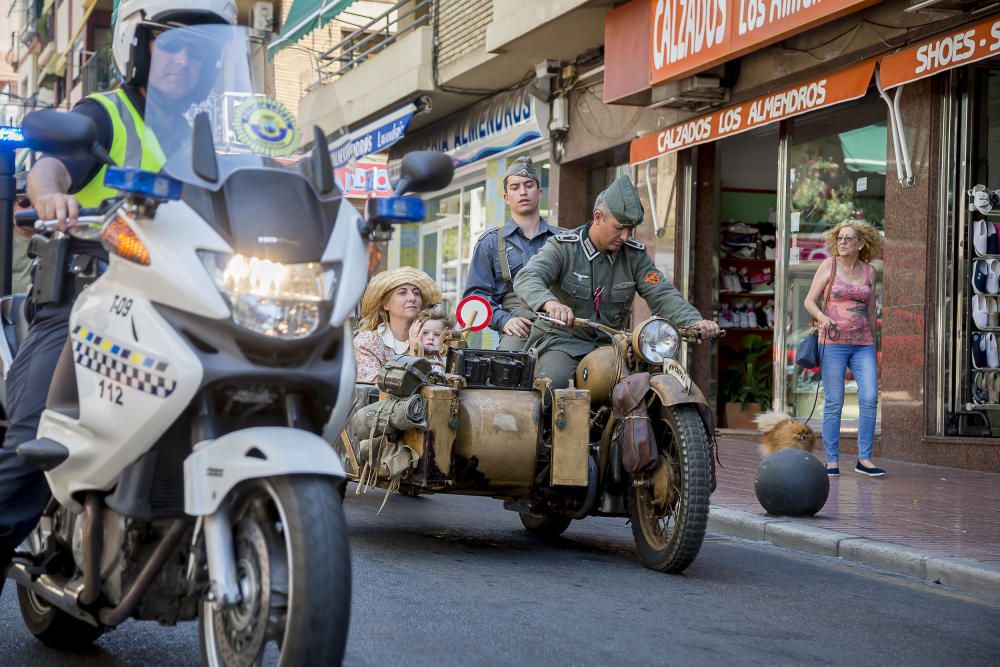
x,y
294,570
668,506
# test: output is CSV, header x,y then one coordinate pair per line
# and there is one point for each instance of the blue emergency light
x,y
11,136
399,209
139,182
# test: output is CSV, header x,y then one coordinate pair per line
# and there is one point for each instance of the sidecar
x,y
475,429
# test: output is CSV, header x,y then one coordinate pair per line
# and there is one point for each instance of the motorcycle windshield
x,y
219,71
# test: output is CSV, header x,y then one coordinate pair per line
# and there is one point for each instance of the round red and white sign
x,y
474,312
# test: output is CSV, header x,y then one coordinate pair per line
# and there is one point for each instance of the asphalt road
x,y
455,581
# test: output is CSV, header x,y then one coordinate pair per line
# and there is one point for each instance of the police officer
x,y
501,252
146,55
594,272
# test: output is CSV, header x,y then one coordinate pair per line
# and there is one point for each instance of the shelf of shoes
x,y
984,313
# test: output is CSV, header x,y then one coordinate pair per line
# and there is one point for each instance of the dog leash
x,y
819,383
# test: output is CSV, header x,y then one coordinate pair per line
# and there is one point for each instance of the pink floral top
x,y
372,350
850,307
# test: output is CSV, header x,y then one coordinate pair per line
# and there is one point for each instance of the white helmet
x,y
130,45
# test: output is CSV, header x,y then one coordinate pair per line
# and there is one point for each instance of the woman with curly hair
x,y
847,336
389,308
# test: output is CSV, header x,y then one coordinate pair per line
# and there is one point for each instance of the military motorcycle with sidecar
x,y
632,437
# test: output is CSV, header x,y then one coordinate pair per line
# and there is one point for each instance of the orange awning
x,y
842,85
961,46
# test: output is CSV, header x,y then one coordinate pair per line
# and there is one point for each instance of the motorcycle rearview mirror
x,y
203,160
424,171
68,135
321,165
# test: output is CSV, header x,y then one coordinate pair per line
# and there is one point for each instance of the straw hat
x,y
386,281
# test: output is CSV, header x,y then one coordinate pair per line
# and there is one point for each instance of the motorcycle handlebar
x,y
692,334
29,218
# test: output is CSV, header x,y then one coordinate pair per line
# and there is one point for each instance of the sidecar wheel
x,y
546,526
54,627
669,505
294,570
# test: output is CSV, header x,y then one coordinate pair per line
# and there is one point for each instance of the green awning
x,y
865,148
304,17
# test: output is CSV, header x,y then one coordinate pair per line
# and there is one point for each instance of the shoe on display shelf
x,y
980,310
993,276
980,275
992,238
727,318
992,312
979,236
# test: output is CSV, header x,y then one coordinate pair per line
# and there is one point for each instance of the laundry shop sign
x,y
689,36
486,128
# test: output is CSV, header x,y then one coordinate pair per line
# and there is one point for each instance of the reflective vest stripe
x,y
132,145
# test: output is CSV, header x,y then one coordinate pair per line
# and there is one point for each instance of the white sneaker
x,y
980,310
769,314
979,236
726,319
992,312
993,277
751,318
992,356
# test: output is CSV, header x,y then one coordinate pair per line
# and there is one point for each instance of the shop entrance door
x,y
834,170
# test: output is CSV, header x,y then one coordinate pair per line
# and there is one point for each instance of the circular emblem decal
x,y
266,126
474,312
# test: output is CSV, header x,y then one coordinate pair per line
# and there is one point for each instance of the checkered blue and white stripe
x,y
121,365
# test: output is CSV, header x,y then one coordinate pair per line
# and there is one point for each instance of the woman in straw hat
x,y
389,308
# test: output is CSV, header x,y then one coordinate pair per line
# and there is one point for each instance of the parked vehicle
x,y
181,437
632,439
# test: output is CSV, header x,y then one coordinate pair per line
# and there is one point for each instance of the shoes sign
x,y
688,36
843,85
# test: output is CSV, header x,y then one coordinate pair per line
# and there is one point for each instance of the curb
x,y
968,576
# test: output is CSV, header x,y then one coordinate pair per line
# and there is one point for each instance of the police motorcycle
x,y
633,438
180,439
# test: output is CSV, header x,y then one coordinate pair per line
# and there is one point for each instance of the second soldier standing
x,y
502,251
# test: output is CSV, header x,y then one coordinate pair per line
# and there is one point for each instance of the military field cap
x,y
622,200
522,166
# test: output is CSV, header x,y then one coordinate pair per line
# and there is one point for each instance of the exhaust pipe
x,y
52,590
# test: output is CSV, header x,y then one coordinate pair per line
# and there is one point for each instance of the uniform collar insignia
x,y
588,247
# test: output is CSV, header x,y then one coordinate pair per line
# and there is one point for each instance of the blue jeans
x,y
836,359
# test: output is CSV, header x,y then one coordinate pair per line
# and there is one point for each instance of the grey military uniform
x,y
596,286
498,257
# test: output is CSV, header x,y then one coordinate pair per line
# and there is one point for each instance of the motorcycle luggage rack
x,y
493,369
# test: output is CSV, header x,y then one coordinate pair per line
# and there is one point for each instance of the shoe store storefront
x,y
773,174
900,140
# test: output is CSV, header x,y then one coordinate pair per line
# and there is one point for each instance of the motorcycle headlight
x,y
280,300
656,340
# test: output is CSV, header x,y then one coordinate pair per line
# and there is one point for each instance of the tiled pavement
x,y
943,512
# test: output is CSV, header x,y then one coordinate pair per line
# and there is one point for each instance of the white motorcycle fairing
x,y
216,466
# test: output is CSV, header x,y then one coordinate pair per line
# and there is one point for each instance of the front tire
x,y
669,505
294,569
545,526
54,627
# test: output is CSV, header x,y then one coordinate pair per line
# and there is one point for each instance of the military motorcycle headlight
x,y
656,340
281,300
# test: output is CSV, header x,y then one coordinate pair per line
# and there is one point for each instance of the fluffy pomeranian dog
x,y
782,432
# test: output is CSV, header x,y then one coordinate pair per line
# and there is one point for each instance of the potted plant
x,y
746,384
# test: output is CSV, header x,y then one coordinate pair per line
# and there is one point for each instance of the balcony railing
x,y
97,74
377,35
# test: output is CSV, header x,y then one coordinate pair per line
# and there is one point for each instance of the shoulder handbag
x,y
807,352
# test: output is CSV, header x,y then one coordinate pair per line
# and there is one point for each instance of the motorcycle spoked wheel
x,y
294,570
54,627
669,505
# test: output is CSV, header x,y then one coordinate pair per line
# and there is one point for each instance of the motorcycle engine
x,y
112,552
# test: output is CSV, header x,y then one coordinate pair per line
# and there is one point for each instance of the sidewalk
x,y
937,524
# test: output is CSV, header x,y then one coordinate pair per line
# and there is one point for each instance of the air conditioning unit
x,y
690,93
262,16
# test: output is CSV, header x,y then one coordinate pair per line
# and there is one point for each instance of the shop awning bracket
x,y
657,225
904,169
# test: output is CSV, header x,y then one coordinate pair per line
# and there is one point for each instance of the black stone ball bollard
x,y
792,482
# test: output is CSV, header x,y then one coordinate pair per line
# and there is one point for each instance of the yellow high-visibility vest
x,y
132,145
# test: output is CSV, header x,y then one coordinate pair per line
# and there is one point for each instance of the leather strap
x,y
504,264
